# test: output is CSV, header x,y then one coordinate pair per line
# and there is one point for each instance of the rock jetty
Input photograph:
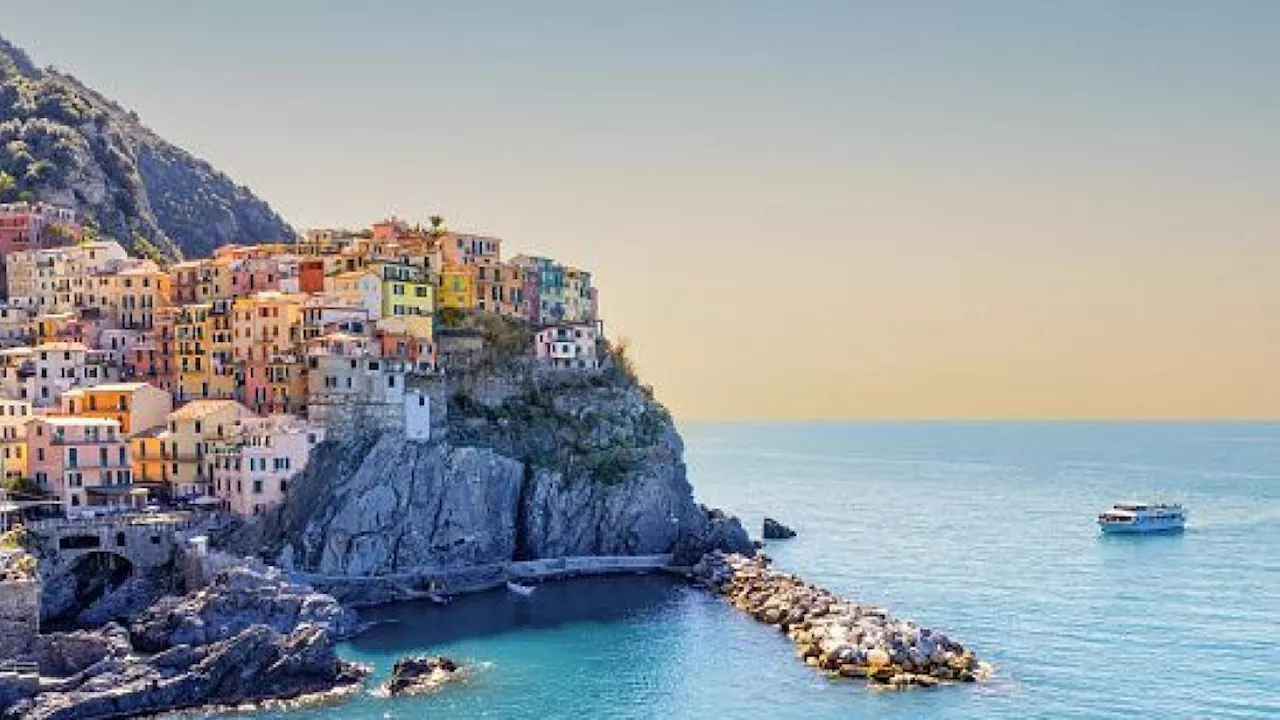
x,y
843,638
412,675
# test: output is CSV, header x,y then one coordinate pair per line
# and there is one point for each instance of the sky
x,y
795,209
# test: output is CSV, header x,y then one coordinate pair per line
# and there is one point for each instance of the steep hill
x,y
64,143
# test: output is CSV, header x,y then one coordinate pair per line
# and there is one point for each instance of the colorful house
x,y
569,346
82,461
405,291
14,416
192,431
253,467
457,287
135,406
362,288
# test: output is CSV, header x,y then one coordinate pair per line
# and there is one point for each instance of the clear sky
x,y
1055,209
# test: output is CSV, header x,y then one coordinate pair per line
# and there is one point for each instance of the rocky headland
x,y
523,465
844,638
249,636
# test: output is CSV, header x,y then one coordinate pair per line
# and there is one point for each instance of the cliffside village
x,y
206,383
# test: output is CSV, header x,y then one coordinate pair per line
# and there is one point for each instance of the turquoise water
x,y
984,530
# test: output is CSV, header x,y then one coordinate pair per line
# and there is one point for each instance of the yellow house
x,y
265,324
147,450
192,429
406,291
136,406
219,339
457,287
14,415
191,352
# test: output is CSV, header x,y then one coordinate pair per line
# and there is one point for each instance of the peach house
x,y
136,406
252,469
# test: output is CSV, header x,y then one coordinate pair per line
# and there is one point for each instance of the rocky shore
x,y
249,636
843,638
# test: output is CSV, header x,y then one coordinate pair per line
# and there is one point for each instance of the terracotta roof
x,y
200,408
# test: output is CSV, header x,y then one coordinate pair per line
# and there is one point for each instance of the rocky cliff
x,y
64,143
526,465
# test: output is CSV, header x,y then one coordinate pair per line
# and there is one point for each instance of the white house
x,y
569,346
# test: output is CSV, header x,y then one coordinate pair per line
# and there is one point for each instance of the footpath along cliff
x,y
524,463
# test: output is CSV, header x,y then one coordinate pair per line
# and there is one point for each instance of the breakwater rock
x,y
412,675
845,639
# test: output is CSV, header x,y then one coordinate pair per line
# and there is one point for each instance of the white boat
x,y
521,590
1140,517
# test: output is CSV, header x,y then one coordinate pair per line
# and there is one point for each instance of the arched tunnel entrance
x,y
87,580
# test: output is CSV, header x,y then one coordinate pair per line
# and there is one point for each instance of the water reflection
x,y
425,624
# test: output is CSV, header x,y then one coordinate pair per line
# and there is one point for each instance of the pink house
x,y
81,461
252,469
255,274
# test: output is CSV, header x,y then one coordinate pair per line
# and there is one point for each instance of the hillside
x,y
64,143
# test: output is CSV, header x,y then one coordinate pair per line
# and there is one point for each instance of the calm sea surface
x,y
983,529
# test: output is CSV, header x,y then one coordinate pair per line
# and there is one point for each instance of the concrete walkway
x,y
476,578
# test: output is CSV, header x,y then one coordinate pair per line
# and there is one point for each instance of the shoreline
x,y
371,591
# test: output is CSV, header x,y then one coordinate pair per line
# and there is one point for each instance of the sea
x,y
984,530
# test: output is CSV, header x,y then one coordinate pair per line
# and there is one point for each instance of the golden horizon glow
x,y
793,210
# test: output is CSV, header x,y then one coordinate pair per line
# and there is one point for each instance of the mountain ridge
x,y
66,143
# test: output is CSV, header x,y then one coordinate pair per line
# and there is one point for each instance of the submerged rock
x,y
420,674
774,530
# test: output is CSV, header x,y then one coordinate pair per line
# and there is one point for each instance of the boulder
x,y
774,530
420,674
238,598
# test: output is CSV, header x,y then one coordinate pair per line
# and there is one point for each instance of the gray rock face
x,y
238,599
65,654
251,635
405,506
550,466
256,663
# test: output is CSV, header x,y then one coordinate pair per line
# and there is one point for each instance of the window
x,y
257,487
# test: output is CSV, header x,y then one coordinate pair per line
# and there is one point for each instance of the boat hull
x,y
1141,528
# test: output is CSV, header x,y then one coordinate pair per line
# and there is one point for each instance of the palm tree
x,y
437,225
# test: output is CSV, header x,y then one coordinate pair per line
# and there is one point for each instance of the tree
x,y
437,225
6,184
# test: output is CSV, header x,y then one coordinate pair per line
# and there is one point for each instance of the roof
x,y
200,408
75,420
111,387
73,346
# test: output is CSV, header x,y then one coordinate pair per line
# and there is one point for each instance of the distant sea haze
x,y
986,530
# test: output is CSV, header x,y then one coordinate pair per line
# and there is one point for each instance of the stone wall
x,y
19,615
